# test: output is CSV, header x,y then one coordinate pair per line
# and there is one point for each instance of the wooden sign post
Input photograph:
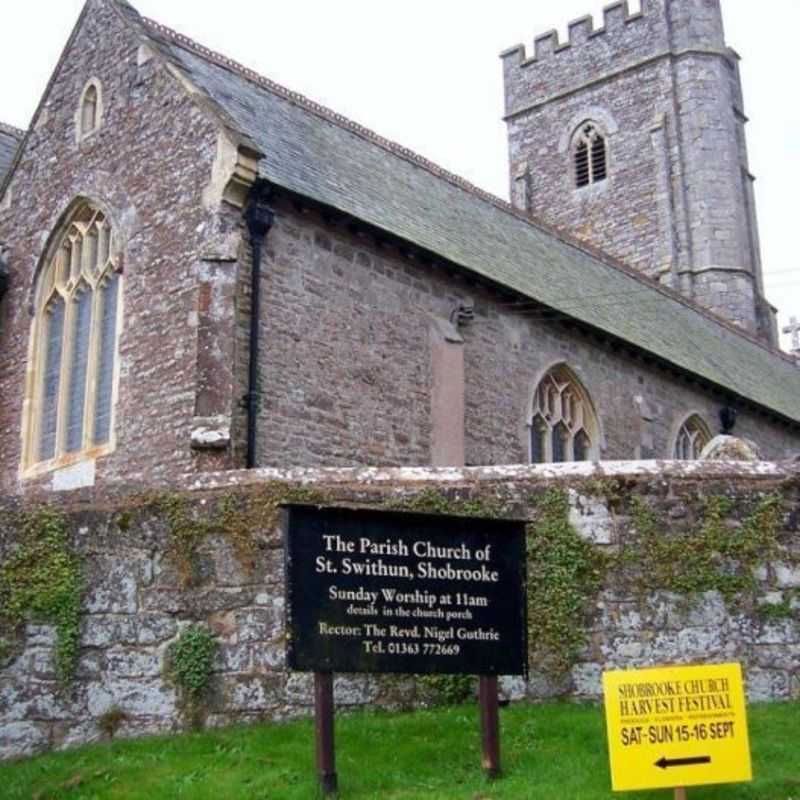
x,y
324,732
674,727
490,726
380,592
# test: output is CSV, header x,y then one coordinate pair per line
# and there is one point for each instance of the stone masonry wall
x,y
345,375
346,362
147,167
209,551
622,215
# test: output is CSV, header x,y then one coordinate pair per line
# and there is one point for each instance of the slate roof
x,y
313,152
9,142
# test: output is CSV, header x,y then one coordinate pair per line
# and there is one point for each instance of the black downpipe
x,y
4,272
260,218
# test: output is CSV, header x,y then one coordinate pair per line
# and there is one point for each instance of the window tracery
x,y
75,343
693,436
562,426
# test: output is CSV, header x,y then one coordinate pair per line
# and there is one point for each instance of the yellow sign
x,y
676,726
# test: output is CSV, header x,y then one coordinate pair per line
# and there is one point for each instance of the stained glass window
x,y
81,330
53,328
76,332
539,434
560,442
581,447
105,366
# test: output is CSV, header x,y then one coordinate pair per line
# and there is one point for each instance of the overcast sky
x,y
426,74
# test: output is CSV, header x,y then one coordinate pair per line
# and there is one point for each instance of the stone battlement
x,y
615,16
624,40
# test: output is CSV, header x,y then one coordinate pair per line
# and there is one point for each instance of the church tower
x,y
632,137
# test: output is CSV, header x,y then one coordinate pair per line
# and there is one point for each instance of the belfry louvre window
x,y
562,425
75,344
590,156
692,437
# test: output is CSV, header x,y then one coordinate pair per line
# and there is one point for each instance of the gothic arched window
x,y
590,156
71,393
693,436
562,424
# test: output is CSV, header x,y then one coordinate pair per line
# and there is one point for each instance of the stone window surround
x,y
607,126
30,466
598,115
693,419
591,420
82,135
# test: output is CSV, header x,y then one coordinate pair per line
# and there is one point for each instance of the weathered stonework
x,y
351,370
347,324
664,89
137,601
147,166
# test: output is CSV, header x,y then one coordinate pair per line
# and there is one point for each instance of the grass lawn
x,y
557,752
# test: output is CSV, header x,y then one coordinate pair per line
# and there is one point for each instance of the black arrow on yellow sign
x,y
666,763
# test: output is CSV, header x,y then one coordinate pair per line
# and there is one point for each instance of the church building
x,y
201,270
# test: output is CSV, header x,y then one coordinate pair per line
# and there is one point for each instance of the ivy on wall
x,y
565,573
714,547
433,501
239,517
190,657
714,556
42,581
189,663
438,690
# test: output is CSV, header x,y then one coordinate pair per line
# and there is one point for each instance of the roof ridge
x,y
17,133
418,160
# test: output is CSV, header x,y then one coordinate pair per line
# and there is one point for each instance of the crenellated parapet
x,y
625,39
660,89
580,30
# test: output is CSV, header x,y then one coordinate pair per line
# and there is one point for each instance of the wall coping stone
x,y
694,470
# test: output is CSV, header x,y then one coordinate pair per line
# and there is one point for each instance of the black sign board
x,y
381,591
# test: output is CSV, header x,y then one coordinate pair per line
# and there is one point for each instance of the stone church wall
x,y
147,166
612,76
209,552
349,323
640,406
346,372
347,365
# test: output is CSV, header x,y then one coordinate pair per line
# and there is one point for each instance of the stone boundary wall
x,y
208,550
